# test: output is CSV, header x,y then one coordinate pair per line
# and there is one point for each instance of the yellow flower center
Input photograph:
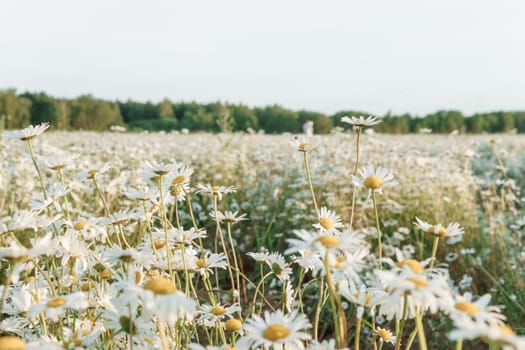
x,y
328,241
506,330
160,286
200,263
159,244
467,307
92,173
138,277
368,298
373,182
161,172
215,188
105,274
218,310
384,334
326,223
178,180
276,332
339,262
87,286
441,233
80,225
414,265
303,146
57,302
233,325
9,342
419,282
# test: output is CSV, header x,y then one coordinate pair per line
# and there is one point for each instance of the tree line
x,y
17,110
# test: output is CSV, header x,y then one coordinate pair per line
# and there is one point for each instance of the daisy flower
x,y
28,133
499,334
452,231
275,262
162,299
141,194
229,217
275,331
210,262
56,307
374,179
159,169
361,121
60,161
218,191
329,221
210,315
479,311
385,336
302,145
93,170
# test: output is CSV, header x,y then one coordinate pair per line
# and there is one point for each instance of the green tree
x,y
92,114
43,108
15,111
276,119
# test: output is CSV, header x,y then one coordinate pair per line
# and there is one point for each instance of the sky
x,y
414,56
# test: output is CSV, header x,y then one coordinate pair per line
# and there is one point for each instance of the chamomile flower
x,y
275,331
162,299
55,307
302,145
329,221
142,194
385,336
210,315
209,262
480,310
374,179
218,191
229,217
26,134
361,121
275,262
452,231
60,161
498,334
93,170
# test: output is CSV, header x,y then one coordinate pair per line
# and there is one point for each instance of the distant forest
x,y
17,110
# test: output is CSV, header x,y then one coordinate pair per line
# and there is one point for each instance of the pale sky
x,y
414,56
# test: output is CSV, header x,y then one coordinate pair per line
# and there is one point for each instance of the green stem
x,y
357,334
402,323
459,344
380,248
30,146
236,264
434,251
308,176
106,207
165,228
355,173
421,331
6,289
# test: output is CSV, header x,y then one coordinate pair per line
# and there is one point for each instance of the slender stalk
x,y
411,339
337,308
355,173
318,311
261,283
459,344
32,153
434,251
421,331
66,201
219,233
165,228
402,323
101,195
236,264
380,248
357,333
308,176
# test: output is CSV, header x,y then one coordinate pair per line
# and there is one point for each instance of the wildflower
x,y
218,191
28,133
141,194
229,217
453,230
329,221
374,179
56,306
93,170
209,262
60,161
385,336
276,263
9,342
479,311
275,330
162,299
361,121
210,315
